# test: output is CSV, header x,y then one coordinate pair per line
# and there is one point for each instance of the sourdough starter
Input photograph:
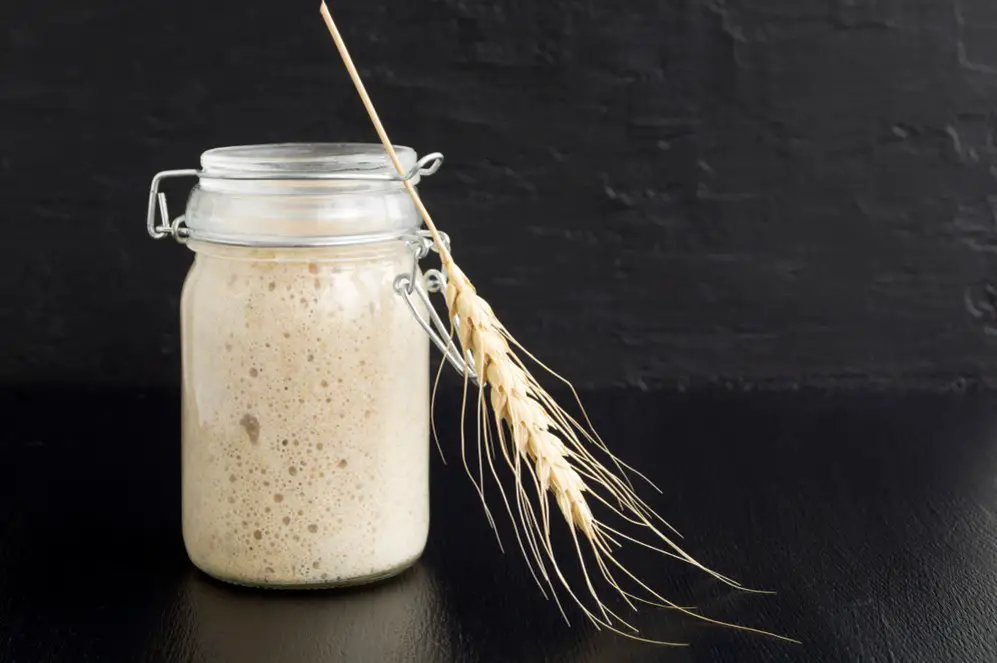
x,y
306,416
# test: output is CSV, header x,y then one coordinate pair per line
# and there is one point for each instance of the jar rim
x,y
285,160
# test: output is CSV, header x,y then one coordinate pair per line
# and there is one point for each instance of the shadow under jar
x,y
305,374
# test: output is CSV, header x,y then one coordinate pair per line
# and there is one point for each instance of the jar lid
x,y
304,194
295,194
323,162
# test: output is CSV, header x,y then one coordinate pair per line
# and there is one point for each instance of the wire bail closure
x,y
159,225
411,290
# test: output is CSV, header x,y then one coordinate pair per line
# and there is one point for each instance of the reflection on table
x,y
389,621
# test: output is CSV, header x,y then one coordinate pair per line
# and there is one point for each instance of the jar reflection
x,y
387,622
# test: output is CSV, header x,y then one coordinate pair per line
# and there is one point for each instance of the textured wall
x,y
648,190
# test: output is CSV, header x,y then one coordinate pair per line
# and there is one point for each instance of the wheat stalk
x,y
544,446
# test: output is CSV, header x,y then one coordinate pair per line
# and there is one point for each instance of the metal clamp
x,y
408,286
421,244
163,227
434,327
175,228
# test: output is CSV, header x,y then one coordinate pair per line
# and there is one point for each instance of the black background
x,y
649,191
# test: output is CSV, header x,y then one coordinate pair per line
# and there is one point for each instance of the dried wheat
x,y
545,448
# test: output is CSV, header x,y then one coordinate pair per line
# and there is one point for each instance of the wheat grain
x,y
532,428
545,448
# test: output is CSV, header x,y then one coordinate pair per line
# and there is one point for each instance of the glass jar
x,y
305,444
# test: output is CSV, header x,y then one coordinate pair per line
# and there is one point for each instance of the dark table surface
x,y
871,514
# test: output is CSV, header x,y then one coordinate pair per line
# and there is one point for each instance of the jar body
x,y
305,415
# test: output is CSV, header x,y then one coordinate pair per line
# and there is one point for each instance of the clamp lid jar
x,y
305,438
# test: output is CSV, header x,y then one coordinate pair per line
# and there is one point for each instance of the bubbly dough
x,y
306,416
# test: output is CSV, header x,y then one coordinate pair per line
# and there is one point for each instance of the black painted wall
x,y
649,191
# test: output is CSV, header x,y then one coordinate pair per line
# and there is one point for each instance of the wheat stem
x,y
383,134
531,430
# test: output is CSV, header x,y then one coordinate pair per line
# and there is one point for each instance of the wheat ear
x,y
544,446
